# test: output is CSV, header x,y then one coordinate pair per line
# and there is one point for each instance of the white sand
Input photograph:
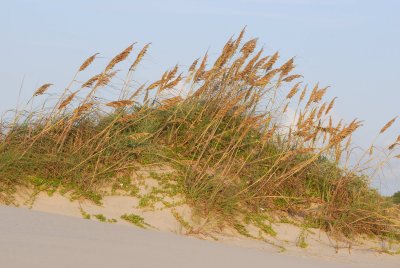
x,y
38,239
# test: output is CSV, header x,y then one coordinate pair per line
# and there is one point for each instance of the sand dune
x,y
37,239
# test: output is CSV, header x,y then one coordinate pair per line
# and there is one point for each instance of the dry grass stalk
x,y
345,132
119,104
87,62
261,62
137,92
303,94
167,103
139,136
120,57
293,91
392,146
129,117
227,52
193,66
230,104
171,74
139,57
263,81
239,39
330,106
82,109
320,94
249,47
316,95
249,67
290,78
388,125
287,67
268,65
104,79
154,85
289,154
321,110
67,100
285,108
172,83
91,81
41,90
200,71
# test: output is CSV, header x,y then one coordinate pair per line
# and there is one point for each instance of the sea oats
x,y
263,81
225,55
268,65
91,81
200,71
249,47
67,101
172,83
261,63
321,110
139,57
154,85
87,62
82,109
172,73
239,39
250,64
393,145
120,57
193,66
388,125
290,78
104,79
293,91
330,106
303,94
119,104
167,103
137,92
41,90
287,67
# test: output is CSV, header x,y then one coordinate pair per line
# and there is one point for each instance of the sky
x,y
353,46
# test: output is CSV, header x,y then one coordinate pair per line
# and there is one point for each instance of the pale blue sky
x,y
351,45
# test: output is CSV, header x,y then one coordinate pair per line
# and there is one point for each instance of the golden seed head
x,y
388,125
120,57
120,103
87,62
42,89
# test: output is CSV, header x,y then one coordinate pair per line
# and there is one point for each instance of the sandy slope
x,y
37,239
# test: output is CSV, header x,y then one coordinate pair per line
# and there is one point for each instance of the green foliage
x,y
260,220
85,215
396,197
241,229
125,184
100,217
301,241
136,220
181,220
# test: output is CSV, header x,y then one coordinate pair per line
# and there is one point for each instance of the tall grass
x,y
223,126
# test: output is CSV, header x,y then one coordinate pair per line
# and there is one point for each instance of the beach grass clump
x,y
243,133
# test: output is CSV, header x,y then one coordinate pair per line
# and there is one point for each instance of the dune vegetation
x,y
224,126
